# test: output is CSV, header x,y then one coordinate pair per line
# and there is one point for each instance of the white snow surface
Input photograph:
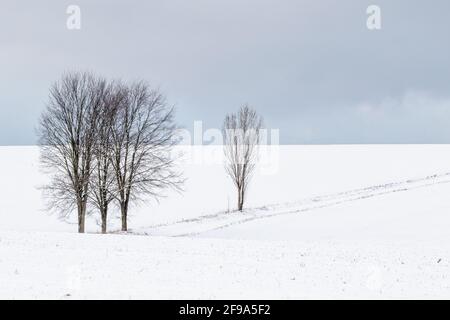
x,y
360,221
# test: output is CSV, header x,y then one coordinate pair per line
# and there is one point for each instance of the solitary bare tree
x,y
241,134
103,188
142,137
67,135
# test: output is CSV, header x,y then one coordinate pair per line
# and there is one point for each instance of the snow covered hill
x,y
70,266
288,174
208,225
321,222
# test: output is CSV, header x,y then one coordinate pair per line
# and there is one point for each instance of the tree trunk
x,y
104,210
104,219
239,199
81,218
124,209
81,206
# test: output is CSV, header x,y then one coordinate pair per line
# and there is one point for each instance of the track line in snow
x,y
211,222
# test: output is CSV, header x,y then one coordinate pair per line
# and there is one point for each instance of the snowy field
x,y
321,222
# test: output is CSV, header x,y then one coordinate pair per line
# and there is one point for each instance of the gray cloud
x,y
310,67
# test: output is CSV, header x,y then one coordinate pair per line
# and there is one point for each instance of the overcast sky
x,y
310,67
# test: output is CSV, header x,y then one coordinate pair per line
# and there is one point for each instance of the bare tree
x,y
241,134
143,136
67,133
103,188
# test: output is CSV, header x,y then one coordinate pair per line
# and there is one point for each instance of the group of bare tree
x,y
106,143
